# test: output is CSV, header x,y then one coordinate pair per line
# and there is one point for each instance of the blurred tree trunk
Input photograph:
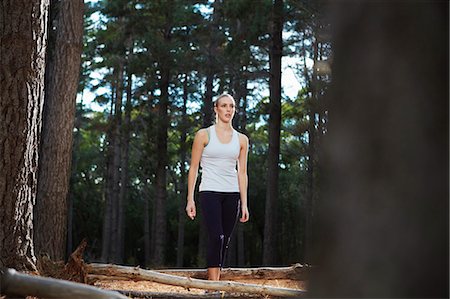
x,y
182,185
384,213
62,72
276,52
23,37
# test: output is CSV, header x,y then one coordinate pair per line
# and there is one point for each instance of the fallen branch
x,y
13,283
294,272
187,282
159,295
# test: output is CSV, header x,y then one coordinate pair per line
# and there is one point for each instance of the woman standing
x,y
218,149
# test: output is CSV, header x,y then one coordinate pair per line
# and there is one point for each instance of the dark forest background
x,y
157,66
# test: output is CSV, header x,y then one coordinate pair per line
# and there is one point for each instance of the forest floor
x,y
148,288
138,283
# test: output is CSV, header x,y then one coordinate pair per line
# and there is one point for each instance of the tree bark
x,y
294,272
159,212
182,185
112,188
311,162
23,35
18,284
207,108
207,101
124,165
276,52
147,245
385,157
116,165
62,72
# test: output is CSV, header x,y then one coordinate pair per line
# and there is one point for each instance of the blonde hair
x,y
216,103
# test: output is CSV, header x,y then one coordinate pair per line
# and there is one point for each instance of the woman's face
x,y
225,109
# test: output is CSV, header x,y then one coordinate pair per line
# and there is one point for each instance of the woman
x,y
223,190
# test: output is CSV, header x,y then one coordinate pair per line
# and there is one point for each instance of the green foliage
x,y
149,35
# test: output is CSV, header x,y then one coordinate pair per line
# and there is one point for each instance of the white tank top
x,y
218,163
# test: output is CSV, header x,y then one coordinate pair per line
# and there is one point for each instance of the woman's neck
x,y
224,126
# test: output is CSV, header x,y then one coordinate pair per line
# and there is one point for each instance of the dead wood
x,y
294,272
188,282
15,284
161,295
74,270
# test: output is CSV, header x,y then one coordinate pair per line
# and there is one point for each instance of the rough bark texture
x,y
23,28
384,213
62,72
270,224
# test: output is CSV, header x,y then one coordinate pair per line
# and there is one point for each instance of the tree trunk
x,y
243,124
270,225
207,101
62,72
22,52
147,245
311,162
207,108
106,230
182,185
384,213
124,162
112,188
159,212
116,169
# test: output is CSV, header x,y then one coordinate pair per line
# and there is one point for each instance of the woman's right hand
x,y
190,209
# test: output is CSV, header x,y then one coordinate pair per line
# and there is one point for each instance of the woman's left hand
x,y
244,214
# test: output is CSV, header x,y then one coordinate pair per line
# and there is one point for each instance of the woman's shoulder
x,y
242,137
203,135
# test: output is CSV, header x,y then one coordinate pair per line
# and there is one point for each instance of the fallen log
x,y
294,272
187,282
13,283
160,295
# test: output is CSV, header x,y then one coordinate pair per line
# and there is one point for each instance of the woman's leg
x,y
212,219
230,215
213,273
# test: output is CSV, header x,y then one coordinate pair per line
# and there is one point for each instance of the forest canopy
x,y
155,68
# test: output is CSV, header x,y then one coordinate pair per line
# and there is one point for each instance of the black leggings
x,y
220,211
